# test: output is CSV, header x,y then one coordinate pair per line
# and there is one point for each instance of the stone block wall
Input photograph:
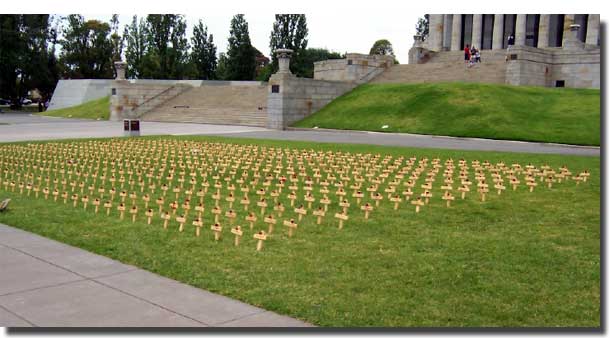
x,y
133,98
291,99
360,68
529,66
70,93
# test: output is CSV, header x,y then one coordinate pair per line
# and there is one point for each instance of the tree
x,y
168,45
289,31
382,47
87,49
421,28
136,39
222,71
241,58
26,61
203,55
116,38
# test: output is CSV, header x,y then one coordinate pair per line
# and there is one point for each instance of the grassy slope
x,y
95,109
519,260
563,115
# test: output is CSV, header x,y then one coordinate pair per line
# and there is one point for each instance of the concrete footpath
x,y
44,283
27,127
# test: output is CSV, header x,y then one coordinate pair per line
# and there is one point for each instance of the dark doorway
x,y
556,30
532,24
466,30
488,31
510,21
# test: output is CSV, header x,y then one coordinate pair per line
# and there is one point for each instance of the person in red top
x,y
467,54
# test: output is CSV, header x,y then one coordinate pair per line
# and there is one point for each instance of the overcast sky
x,y
355,32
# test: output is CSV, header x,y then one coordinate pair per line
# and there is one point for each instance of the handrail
x,y
153,97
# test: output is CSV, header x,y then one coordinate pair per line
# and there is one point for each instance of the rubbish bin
x,y
131,127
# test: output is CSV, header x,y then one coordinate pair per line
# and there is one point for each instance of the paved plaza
x,y
24,127
50,284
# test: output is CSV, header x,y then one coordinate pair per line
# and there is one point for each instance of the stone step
x,y
217,105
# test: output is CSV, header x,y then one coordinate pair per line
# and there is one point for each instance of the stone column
x,y
593,30
568,20
543,30
447,25
456,32
498,37
435,34
570,40
477,29
520,30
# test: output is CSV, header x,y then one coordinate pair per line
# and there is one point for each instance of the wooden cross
x,y
198,224
96,202
319,213
396,200
149,214
133,211
271,221
216,211
108,205
447,196
341,216
367,208
166,217
301,211
121,209
251,218
291,226
260,236
181,219
417,203
279,208
217,231
238,233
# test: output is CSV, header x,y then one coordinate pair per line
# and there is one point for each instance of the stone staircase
x,y
449,67
158,99
485,72
215,104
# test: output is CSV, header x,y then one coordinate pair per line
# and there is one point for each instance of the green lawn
x,y
96,109
519,259
561,115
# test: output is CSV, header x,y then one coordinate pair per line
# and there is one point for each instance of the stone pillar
x,y
568,20
456,32
498,37
283,59
543,30
570,40
477,29
416,52
593,30
435,34
447,25
120,68
520,30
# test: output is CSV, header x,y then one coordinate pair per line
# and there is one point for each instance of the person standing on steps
x,y
511,41
467,55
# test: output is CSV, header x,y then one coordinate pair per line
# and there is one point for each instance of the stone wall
x,y
291,99
70,93
529,66
360,68
133,98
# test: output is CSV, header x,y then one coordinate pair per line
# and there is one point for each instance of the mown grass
x,y
96,110
561,115
521,259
